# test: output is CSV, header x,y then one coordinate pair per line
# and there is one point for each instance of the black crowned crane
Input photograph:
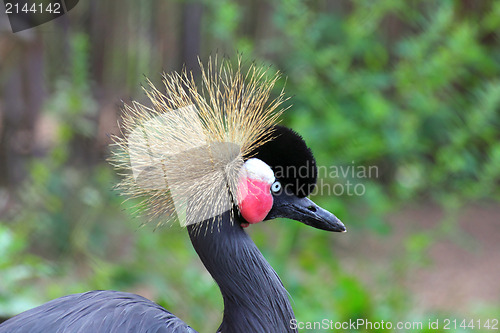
x,y
214,159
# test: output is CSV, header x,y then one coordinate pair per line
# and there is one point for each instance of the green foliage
x,y
18,269
423,107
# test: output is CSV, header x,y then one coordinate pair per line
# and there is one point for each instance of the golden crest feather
x,y
182,156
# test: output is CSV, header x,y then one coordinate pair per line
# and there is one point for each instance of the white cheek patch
x,y
257,170
255,199
253,170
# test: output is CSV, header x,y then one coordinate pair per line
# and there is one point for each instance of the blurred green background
x,y
411,87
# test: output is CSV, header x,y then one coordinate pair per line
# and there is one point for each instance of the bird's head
x,y
277,178
199,151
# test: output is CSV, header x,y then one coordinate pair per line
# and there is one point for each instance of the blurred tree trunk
x,y
167,34
191,35
23,98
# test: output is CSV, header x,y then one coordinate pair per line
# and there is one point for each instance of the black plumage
x,y
292,161
255,299
97,311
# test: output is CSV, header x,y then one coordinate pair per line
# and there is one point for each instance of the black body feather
x,y
97,312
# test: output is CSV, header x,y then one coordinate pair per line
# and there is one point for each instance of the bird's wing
x,y
97,311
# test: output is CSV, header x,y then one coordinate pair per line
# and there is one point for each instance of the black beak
x,y
304,210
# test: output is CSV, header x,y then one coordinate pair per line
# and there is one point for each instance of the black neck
x,y
254,297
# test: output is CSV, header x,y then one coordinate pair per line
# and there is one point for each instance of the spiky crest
x,y
182,155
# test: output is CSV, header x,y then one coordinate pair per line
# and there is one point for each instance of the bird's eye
x,y
276,186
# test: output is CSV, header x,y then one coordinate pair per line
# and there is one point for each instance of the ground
x,y
460,270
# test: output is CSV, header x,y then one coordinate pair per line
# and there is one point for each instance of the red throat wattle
x,y
256,202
